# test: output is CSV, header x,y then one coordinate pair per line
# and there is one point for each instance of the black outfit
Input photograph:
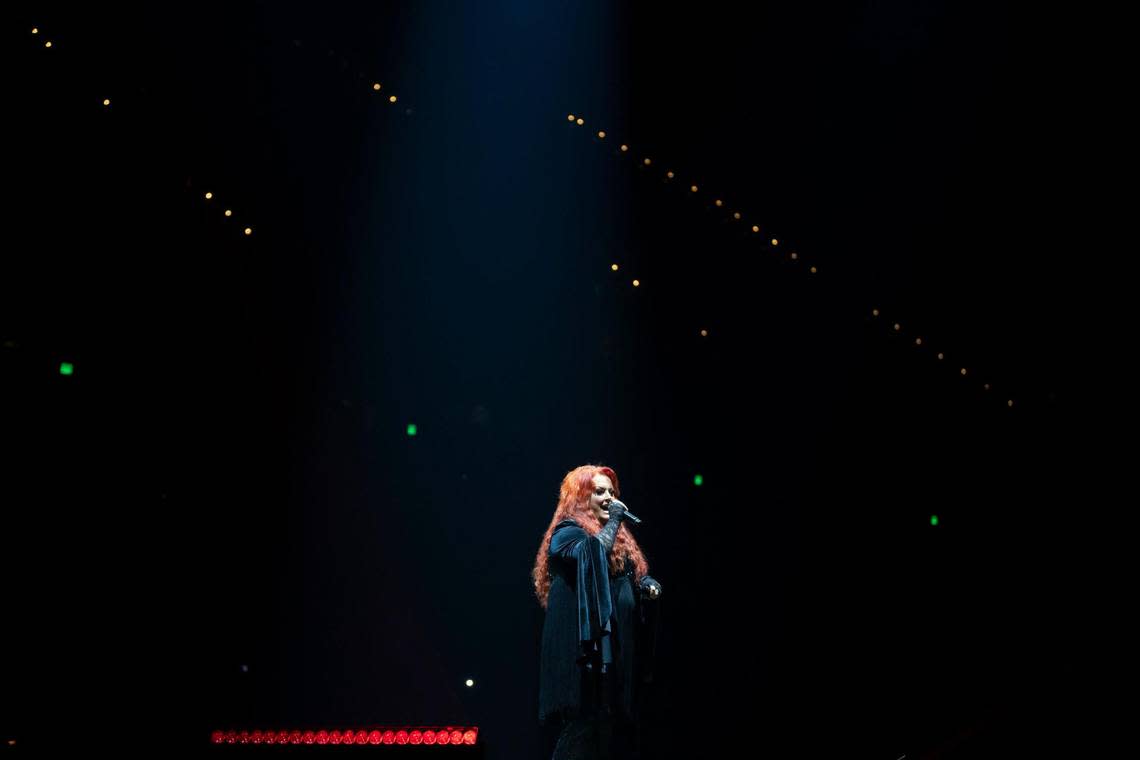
x,y
597,642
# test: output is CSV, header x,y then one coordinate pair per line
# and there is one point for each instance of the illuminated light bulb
x,y
209,196
814,270
719,203
794,256
637,283
47,44
648,162
35,30
601,135
693,188
669,175
775,241
704,333
614,267
470,682
106,101
391,98
918,341
376,86
624,148
580,122
897,327
941,356
249,230
735,214
570,117
229,213
874,312
962,371
755,228
985,386
1009,403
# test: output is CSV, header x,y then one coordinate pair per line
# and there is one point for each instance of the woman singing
x,y
594,582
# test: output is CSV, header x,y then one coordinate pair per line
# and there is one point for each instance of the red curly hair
x,y
574,504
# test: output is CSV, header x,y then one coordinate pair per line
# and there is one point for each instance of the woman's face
x,y
600,497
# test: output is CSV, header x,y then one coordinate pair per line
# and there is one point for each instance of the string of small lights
x,y
227,211
209,196
768,243
361,75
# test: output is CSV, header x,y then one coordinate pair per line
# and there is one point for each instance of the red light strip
x,y
395,735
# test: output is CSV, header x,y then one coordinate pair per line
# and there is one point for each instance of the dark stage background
x,y
220,519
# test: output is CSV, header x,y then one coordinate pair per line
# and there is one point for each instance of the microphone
x,y
629,515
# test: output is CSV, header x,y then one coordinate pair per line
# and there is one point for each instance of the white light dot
x,y
470,682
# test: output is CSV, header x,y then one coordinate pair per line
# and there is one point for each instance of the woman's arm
x,y
586,554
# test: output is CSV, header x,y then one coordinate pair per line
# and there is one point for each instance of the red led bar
x,y
393,735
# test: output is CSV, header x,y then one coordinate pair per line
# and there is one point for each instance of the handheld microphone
x,y
629,515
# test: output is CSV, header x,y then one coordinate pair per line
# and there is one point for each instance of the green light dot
x,y
66,368
411,429
934,519
697,480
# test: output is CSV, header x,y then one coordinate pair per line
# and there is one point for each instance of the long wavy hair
x,y
574,504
